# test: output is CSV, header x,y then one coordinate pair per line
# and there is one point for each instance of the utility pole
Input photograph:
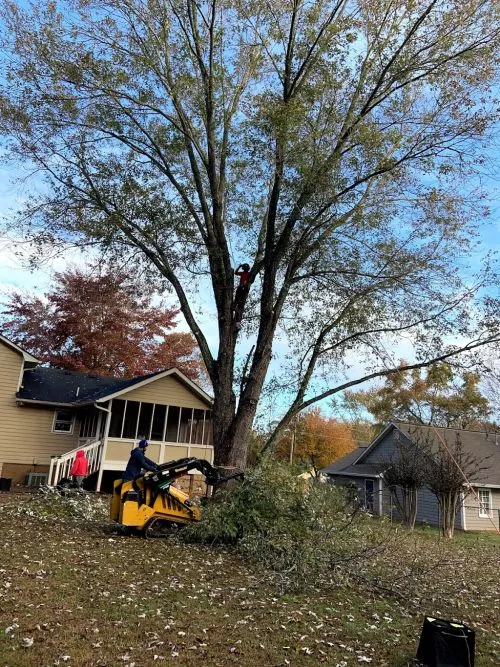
x,y
292,443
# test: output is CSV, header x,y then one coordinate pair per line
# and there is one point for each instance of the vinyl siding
x,y
383,451
167,391
427,507
389,508
475,522
359,482
26,436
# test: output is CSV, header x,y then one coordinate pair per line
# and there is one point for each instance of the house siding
x,y
475,522
26,438
167,391
359,483
383,451
427,507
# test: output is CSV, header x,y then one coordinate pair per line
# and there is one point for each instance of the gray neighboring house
x,y
361,471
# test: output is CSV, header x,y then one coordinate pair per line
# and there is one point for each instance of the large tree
x,y
315,440
324,142
440,396
101,322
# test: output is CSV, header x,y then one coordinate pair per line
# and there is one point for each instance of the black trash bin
x,y
5,483
446,644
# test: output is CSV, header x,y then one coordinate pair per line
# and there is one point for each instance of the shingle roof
x,y
54,385
346,465
484,446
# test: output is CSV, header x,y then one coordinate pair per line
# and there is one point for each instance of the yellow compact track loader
x,y
150,500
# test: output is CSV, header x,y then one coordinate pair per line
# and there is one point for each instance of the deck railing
x,y
61,465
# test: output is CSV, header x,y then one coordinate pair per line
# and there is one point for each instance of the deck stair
x,y
61,465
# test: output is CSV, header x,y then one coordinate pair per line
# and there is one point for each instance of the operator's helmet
x,y
143,444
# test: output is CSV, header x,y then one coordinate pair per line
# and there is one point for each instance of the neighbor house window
x,y
484,503
63,422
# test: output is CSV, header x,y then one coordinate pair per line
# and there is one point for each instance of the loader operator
x,y
138,462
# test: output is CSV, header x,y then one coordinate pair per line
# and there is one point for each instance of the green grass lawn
x,y
73,592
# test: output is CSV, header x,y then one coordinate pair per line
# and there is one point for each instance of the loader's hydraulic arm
x,y
167,472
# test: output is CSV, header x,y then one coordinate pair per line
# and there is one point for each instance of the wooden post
x,y
104,446
56,474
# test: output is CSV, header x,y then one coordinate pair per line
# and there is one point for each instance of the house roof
x,y
485,446
60,387
347,465
26,355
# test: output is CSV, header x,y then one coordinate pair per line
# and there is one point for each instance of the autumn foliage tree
x,y
101,322
439,396
315,440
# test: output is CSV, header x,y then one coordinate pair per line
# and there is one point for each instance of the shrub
x,y
282,523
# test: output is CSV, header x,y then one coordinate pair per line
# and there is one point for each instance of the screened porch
x,y
172,431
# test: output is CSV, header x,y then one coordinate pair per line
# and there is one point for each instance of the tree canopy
x,y
325,143
315,440
438,396
100,322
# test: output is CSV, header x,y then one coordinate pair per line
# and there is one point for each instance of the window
x,y
63,421
484,503
369,491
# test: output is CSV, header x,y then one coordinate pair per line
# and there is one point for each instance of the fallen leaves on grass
x,y
138,602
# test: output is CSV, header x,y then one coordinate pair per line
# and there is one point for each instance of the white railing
x,y
61,465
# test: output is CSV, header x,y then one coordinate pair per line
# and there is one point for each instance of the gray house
x,y
362,470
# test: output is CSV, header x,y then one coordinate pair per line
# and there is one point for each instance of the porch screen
x,y
172,423
130,421
158,427
185,424
133,420
197,429
145,417
117,410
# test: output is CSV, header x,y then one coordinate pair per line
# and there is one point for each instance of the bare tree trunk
x,y
413,506
448,510
408,504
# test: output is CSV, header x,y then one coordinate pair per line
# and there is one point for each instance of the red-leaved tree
x,y
99,321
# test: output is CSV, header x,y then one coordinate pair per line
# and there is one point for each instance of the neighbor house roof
x,y
60,387
26,355
483,445
347,465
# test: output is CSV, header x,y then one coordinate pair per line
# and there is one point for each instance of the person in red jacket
x,y
80,468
